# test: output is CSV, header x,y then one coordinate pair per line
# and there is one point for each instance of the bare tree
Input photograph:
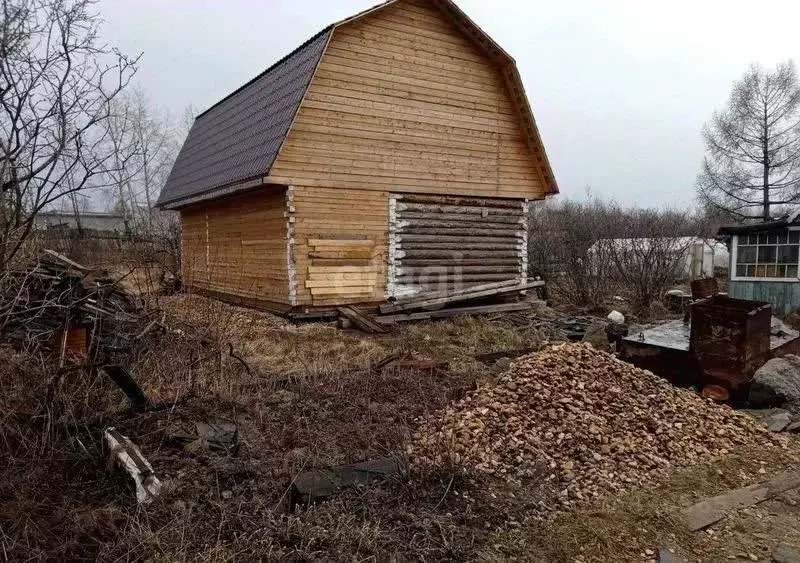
x,y
57,83
753,146
158,145
590,251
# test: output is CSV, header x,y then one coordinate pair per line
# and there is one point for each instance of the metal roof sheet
x,y
239,137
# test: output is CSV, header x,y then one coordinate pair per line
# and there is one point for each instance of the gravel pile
x,y
583,421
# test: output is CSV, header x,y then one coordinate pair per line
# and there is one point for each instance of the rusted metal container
x,y
705,288
730,339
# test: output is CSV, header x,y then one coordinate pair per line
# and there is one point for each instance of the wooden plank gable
x,y
404,100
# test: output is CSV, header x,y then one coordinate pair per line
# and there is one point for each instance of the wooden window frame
x,y
735,262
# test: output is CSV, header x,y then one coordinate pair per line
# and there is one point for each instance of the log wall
x,y
439,243
236,247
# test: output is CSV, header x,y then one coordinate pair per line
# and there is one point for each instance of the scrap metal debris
x,y
124,455
592,423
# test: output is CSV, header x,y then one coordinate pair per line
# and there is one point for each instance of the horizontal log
x,y
403,207
444,277
465,244
476,232
457,263
407,238
443,223
443,253
459,201
460,217
453,270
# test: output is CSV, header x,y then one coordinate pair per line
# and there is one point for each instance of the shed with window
x,y
765,258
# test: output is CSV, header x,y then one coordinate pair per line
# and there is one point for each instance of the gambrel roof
x,y
232,146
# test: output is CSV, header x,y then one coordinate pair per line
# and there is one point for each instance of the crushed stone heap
x,y
582,420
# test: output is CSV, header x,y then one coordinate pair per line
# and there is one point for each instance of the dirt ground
x,y
306,397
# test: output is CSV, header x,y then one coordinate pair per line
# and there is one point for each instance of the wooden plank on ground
x,y
362,321
459,312
709,511
461,297
446,293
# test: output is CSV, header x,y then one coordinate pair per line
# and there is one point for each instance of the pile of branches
x,y
55,304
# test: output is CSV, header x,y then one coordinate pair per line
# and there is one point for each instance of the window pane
x,y
751,271
767,254
753,239
787,254
772,239
746,254
741,270
780,272
771,271
782,238
761,271
791,271
762,239
794,236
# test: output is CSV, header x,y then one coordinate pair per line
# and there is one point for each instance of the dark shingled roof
x,y
238,138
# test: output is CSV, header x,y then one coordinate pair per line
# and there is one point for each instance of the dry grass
x,y
306,398
621,528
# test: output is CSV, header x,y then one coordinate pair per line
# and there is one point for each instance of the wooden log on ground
x,y
449,313
388,308
459,298
361,320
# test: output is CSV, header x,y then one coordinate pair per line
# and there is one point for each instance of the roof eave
x,y
217,193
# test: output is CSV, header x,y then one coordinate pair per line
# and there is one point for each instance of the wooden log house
x,y
392,153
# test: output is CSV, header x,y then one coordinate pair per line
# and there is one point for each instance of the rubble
x,y
584,421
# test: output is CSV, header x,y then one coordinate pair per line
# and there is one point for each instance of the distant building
x,y
89,220
764,262
699,256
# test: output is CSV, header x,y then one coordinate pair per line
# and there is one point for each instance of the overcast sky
x,y
620,89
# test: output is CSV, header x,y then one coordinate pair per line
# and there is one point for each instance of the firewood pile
x,y
56,303
581,420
